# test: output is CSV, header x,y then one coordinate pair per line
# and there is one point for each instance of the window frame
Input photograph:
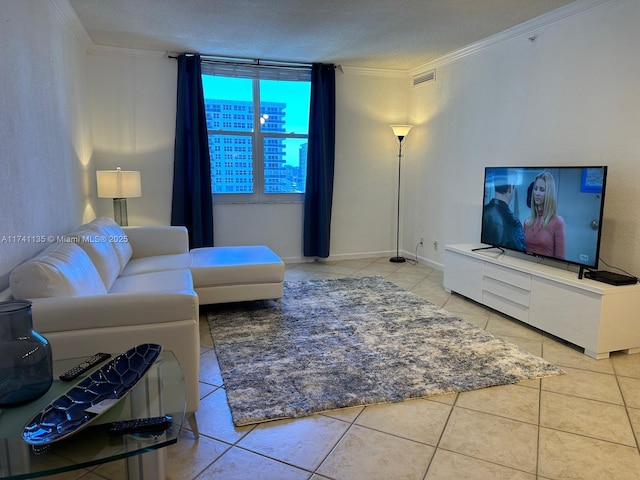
x,y
257,134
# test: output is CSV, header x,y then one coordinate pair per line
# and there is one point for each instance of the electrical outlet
x,y
435,244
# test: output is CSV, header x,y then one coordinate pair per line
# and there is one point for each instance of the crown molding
x,y
127,52
526,28
68,15
376,72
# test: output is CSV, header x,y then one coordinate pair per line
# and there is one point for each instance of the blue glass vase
x,y
26,371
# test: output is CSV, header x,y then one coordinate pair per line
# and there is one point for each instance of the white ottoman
x,y
236,274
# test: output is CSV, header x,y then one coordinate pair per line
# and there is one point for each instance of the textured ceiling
x,y
392,34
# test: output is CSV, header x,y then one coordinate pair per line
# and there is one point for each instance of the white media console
x,y
598,317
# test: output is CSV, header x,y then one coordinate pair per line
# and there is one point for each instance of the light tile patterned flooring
x,y
582,425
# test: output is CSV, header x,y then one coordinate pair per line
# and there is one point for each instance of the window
x,y
261,119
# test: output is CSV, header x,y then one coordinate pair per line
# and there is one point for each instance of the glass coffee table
x,y
160,392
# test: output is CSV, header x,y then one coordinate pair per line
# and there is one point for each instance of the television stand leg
x,y
632,351
596,355
581,273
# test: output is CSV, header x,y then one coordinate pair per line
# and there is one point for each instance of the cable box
x,y
610,277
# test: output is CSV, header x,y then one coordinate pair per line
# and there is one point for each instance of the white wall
x,y
570,97
133,111
45,131
366,171
364,201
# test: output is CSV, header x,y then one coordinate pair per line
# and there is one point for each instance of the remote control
x,y
141,425
87,364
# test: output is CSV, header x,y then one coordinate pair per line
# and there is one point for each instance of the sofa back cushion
x,y
114,234
101,251
62,269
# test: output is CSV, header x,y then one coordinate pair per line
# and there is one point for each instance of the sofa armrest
x,y
152,240
57,314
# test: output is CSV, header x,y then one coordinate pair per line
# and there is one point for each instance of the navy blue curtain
x,y
191,204
320,162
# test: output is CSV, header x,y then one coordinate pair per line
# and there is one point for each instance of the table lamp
x,y
119,184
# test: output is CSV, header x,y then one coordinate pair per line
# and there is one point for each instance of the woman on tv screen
x,y
544,230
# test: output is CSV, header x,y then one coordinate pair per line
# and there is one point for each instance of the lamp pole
x,y
400,131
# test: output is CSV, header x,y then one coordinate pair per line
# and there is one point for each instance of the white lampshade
x,y
118,183
401,130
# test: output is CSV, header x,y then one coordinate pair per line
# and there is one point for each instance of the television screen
x,y
551,212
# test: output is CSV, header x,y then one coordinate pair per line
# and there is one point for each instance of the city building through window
x,y
258,133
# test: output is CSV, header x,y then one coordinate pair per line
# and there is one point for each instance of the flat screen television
x,y
550,212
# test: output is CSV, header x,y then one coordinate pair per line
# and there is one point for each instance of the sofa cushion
x,y
157,263
62,269
101,252
114,234
219,266
155,282
155,240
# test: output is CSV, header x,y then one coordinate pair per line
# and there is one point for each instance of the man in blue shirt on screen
x,y
500,226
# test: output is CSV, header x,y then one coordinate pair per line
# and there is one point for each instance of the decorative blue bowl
x,y
68,413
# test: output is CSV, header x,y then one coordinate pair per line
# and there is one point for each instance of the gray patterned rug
x,y
353,341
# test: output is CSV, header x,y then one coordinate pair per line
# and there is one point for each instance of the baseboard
x,y
338,257
358,256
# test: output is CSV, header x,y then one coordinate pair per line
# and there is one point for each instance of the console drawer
x,y
504,290
507,275
506,306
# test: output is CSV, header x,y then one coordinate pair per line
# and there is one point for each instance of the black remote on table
x,y
141,425
85,365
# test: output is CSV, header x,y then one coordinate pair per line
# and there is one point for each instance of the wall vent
x,y
425,77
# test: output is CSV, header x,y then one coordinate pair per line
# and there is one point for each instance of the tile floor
x,y
582,425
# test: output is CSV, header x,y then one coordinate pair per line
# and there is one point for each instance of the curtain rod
x,y
251,62
256,62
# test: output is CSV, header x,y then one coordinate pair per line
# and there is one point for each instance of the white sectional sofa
x,y
104,288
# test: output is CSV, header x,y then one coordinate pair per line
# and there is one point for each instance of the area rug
x,y
353,341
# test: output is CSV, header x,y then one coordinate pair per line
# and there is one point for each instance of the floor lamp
x,y
119,185
399,131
